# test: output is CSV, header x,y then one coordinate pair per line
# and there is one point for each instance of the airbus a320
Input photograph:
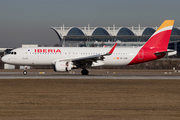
x,y
68,58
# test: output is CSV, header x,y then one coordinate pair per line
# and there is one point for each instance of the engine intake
x,y
63,66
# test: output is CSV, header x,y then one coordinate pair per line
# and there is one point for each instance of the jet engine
x,y
63,66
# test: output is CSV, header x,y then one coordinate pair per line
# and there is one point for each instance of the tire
x,y
84,72
24,72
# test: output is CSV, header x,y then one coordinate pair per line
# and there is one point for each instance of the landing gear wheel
x,y
84,72
24,72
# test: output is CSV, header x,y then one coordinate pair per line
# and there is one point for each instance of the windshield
x,y
13,53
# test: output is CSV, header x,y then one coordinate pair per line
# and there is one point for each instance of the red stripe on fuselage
x,y
157,43
147,54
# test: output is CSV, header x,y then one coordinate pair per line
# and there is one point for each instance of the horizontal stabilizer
x,y
167,53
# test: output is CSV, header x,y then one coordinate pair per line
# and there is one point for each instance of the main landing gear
x,y
84,72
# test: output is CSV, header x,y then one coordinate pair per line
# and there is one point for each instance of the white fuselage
x,y
49,55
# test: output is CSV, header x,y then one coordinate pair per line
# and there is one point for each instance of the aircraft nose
x,y
4,59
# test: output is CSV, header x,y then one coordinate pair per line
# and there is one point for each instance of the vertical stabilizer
x,y
156,46
160,39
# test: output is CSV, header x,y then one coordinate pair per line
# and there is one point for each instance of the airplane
x,y
68,58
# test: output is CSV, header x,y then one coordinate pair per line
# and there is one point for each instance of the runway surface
x,y
92,77
93,74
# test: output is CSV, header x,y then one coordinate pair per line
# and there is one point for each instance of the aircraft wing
x,y
94,58
91,60
87,60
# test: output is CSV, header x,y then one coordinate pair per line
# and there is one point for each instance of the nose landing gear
x,y
24,72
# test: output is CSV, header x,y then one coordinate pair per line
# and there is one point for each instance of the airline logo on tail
x,y
156,46
160,39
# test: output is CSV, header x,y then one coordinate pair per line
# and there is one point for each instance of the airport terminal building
x,y
100,36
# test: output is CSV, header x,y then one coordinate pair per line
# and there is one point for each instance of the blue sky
x,y
29,21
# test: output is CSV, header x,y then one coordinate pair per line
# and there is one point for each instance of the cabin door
x,y
25,54
141,54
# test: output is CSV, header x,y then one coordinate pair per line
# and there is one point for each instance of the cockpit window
x,y
12,53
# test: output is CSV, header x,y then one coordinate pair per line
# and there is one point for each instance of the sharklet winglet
x,y
112,49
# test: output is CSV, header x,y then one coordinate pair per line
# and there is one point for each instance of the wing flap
x,y
87,58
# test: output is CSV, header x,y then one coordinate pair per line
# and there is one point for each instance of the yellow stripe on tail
x,y
166,23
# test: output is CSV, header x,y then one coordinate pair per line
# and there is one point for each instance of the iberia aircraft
x,y
68,58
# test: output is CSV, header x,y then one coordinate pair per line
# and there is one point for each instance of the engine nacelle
x,y
63,66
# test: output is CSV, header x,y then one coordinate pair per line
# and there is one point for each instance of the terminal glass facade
x,y
100,32
175,31
75,32
124,31
148,32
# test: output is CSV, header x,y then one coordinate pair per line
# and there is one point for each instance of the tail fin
x,y
160,39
